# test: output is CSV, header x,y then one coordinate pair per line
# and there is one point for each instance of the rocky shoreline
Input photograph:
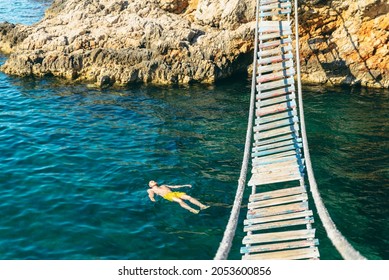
x,y
107,42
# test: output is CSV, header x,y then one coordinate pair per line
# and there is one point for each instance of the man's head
x,y
152,184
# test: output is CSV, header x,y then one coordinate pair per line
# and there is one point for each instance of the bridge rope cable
x,y
229,233
346,250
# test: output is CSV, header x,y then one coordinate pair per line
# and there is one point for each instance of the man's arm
x,y
178,186
151,195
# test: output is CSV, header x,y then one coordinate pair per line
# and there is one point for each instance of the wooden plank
x,y
282,165
289,216
276,132
278,108
275,13
274,43
272,140
265,161
277,144
271,174
278,201
267,7
276,92
276,100
275,35
284,117
277,210
279,224
275,26
295,254
258,136
277,193
276,76
279,236
258,181
275,59
276,124
296,153
281,175
265,29
272,1
275,117
279,246
276,84
281,157
287,105
275,51
274,22
277,166
275,67
274,166
258,162
269,160
277,150
287,165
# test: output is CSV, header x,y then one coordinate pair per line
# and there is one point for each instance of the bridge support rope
x,y
346,250
229,233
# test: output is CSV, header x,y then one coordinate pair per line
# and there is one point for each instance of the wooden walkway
x,y
279,222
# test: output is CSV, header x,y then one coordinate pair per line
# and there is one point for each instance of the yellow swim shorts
x,y
172,195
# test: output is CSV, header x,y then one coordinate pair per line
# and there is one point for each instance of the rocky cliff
x,y
345,42
183,41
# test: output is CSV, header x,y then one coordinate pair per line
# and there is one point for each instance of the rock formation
x,y
182,41
345,42
122,42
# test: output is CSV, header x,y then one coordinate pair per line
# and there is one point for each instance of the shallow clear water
x,y
75,164
22,11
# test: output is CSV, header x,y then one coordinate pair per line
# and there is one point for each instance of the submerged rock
x,y
182,41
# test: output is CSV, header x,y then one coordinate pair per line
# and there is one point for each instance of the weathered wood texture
x,y
297,254
279,222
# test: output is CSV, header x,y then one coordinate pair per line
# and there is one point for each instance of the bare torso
x,y
165,190
161,190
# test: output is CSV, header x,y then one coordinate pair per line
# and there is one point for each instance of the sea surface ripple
x,y
75,162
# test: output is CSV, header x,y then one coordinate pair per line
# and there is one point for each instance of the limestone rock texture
x,y
121,42
117,42
345,42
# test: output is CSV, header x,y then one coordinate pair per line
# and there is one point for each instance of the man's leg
x,y
185,206
194,201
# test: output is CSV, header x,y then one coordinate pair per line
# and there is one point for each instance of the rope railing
x,y
346,250
229,233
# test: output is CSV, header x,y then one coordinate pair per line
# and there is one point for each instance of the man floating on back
x,y
179,197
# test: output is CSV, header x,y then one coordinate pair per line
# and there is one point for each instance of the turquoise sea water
x,y
75,164
23,11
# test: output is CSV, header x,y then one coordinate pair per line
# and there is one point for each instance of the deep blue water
x,y
75,164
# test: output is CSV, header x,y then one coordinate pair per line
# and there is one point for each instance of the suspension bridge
x,y
279,223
